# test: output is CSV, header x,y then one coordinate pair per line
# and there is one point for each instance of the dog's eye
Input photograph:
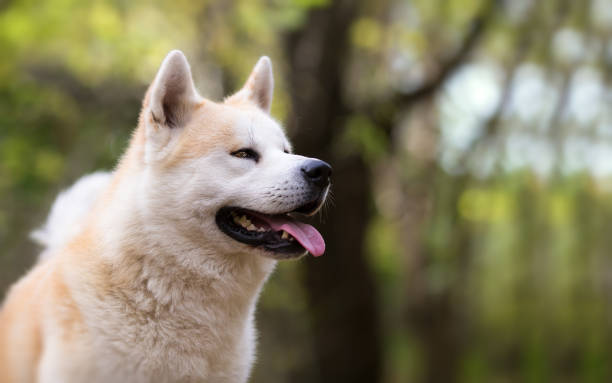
x,y
246,153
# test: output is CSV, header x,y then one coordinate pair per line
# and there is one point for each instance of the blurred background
x,y
470,234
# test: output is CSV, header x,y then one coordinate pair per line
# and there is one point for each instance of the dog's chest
x,y
142,341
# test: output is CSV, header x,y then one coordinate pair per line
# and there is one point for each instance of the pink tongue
x,y
305,234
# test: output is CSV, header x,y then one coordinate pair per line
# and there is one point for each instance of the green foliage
x,y
362,137
519,260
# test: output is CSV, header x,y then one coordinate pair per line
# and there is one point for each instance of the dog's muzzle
x,y
281,235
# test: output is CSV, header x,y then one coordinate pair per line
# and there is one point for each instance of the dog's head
x,y
225,172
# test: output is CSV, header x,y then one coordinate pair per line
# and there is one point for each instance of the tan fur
x,y
210,128
150,290
37,303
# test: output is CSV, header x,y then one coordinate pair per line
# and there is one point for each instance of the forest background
x,y
470,234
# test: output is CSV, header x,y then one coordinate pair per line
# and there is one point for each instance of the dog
x,y
151,273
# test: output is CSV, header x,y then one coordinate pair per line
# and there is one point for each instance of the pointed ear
x,y
259,87
172,94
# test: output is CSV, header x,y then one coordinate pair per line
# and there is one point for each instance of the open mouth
x,y
280,234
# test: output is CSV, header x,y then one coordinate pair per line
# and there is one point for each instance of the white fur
x,y
68,212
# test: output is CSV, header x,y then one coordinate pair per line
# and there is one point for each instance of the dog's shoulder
x,y
37,308
21,328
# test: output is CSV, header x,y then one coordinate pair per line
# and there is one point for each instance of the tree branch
x,y
450,64
384,112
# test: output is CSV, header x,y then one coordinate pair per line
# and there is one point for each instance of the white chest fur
x,y
149,319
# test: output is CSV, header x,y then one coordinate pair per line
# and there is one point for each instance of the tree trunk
x,y
339,285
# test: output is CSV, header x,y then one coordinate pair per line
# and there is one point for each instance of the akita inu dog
x,y
156,278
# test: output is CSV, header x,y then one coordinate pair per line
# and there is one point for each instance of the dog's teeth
x,y
251,227
244,221
285,235
261,229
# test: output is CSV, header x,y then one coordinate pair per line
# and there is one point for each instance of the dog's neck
x,y
160,271
184,301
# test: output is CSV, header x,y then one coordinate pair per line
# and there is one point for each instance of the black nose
x,y
317,172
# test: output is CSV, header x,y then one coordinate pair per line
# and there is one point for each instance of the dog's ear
x,y
259,87
172,96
